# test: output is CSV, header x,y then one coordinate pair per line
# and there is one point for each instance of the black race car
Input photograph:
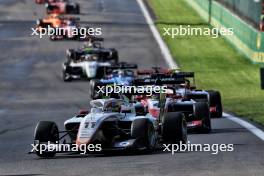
x,y
88,62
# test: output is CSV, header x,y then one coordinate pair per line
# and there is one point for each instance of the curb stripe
x,y
253,129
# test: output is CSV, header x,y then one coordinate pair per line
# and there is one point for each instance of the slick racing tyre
x,y
143,131
66,76
92,93
174,128
215,102
45,132
202,113
71,55
93,89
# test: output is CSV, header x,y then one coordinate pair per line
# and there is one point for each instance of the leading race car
x,y
62,7
115,125
89,62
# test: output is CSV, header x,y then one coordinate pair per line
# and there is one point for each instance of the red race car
x,y
63,8
55,21
213,97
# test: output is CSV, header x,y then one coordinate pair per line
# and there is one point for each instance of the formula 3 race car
x,y
62,7
197,113
89,62
188,89
56,21
120,74
115,125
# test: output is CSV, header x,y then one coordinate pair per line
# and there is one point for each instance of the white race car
x,y
88,63
115,125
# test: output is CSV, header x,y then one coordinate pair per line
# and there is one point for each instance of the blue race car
x,y
122,74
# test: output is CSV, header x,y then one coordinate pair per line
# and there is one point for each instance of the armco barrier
x,y
249,9
246,39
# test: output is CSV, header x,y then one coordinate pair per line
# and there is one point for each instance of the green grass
x,y
216,63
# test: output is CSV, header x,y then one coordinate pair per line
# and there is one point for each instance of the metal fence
x,y
249,10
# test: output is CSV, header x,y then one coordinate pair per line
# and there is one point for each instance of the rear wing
x,y
154,70
123,65
173,75
69,18
91,39
175,78
165,72
160,81
184,74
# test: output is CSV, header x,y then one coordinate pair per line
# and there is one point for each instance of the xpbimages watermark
x,y
189,147
118,89
82,32
56,147
196,31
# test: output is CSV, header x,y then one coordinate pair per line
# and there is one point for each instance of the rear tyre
x,y
143,131
215,101
202,113
45,132
174,128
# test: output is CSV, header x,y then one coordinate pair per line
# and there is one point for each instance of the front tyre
x,y
45,132
143,130
174,128
66,76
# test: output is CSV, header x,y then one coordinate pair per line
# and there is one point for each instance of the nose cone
x,y
81,141
90,69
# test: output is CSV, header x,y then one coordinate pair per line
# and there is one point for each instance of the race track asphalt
x,y
31,89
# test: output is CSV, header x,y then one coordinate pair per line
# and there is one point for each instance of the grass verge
x,y
216,63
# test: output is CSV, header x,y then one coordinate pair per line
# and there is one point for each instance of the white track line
x,y
259,133
167,56
163,47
